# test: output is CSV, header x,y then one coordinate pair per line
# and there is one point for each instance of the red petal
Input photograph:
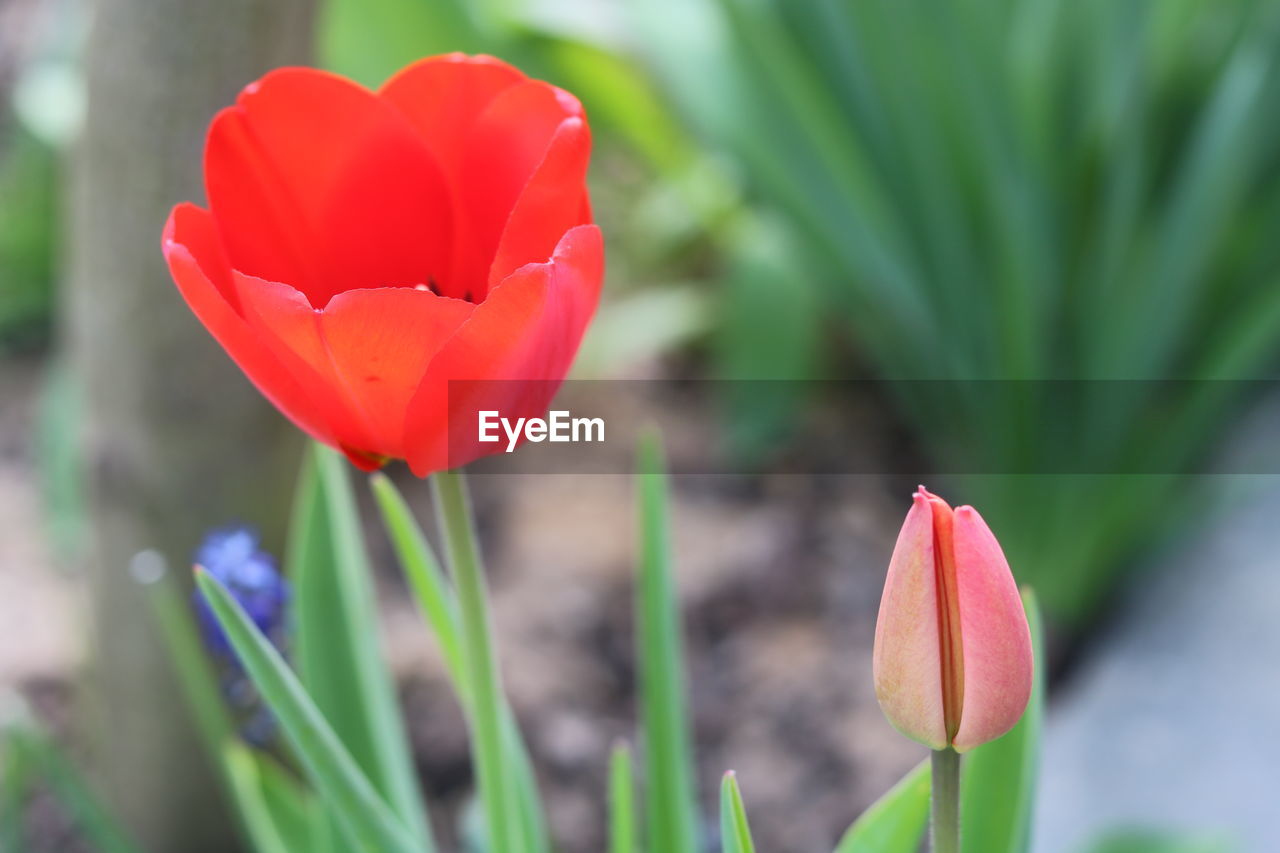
x,y
504,149
318,182
553,201
998,660
199,269
368,349
907,659
528,330
442,96
381,342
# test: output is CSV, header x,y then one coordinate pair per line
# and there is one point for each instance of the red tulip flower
x,y
362,249
952,661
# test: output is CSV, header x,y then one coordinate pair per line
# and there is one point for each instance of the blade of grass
x,y
330,767
668,774
895,823
339,659
735,833
440,608
622,802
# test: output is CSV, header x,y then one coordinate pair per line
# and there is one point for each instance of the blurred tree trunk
x,y
174,439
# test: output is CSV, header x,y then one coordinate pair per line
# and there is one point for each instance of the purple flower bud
x,y
233,556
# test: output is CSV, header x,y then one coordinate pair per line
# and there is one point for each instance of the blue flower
x,y
233,556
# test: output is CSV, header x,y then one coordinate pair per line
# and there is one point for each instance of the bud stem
x,y
945,801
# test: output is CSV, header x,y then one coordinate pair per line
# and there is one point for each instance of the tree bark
x,y
174,439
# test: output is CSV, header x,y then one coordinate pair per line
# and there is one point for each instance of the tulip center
x,y
433,286
951,650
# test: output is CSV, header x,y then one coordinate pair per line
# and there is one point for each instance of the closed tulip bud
x,y
952,660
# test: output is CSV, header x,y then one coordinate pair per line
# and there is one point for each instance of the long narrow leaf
x,y
198,681
333,771
735,833
895,823
338,655
243,774
425,575
997,789
622,802
288,799
191,665
669,776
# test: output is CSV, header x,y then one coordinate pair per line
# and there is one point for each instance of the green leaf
x,y
426,577
369,40
998,779
171,610
330,767
271,806
616,95
622,802
735,834
261,817
289,801
896,822
668,772
339,660
29,214
1148,841
15,780
245,779
38,756
436,599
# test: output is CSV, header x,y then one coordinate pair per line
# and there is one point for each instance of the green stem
x,y
945,801
486,707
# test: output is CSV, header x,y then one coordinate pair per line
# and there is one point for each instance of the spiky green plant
x,y
998,193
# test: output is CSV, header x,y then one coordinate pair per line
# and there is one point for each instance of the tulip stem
x,y
945,801
453,508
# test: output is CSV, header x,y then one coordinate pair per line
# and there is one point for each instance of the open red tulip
x,y
952,660
362,249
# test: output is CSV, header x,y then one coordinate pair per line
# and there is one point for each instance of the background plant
x,y
1017,190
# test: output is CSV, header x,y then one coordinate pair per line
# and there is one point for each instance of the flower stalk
x,y
945,801
453,507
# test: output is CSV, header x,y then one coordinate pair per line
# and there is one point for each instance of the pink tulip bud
x,y
952,660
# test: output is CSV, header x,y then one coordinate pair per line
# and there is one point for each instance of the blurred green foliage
x,y
1149,841
28,222
31,764
369,40
1016,190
